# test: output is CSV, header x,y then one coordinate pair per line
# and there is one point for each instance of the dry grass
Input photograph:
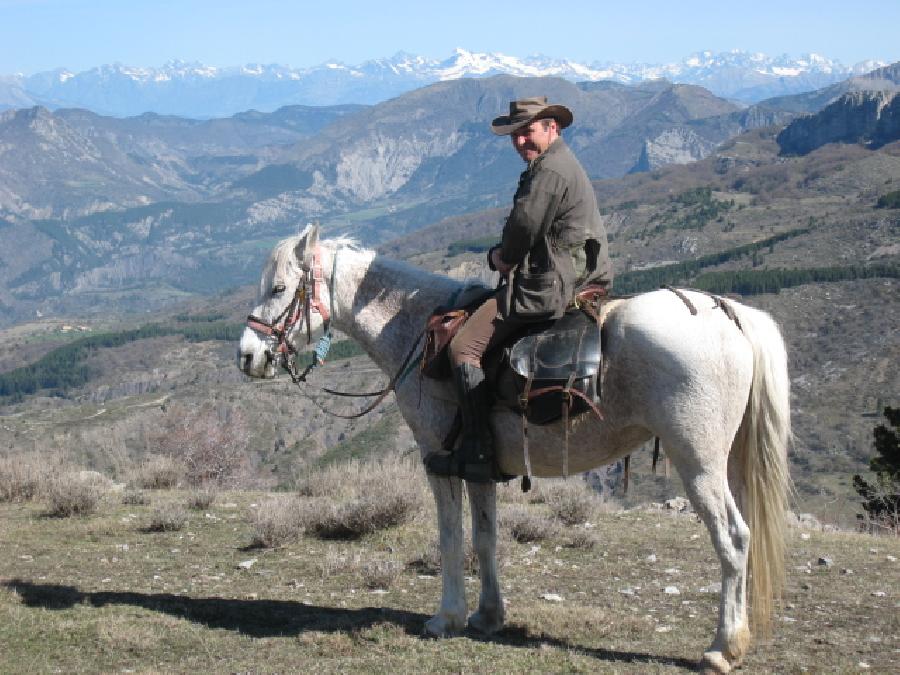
x,y
572,501
351,500
428,561
21,478
167,517
202,498
95,596
277,521
357,518
158,472
525,525
71,494
133,497
381,574
349,480
583,539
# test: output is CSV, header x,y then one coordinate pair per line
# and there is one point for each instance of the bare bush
x,y
277,522
571,501
71,494
21,478
583,539
202,498
158,472
354,478
381,573
167,518
212,445
526,526
358,498
135,498
357,518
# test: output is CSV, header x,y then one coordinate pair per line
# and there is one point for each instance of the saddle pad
x,y
571,345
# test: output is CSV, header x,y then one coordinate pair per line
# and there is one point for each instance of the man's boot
x,y
473,459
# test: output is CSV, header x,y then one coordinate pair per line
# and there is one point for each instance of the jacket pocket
x,y
537,295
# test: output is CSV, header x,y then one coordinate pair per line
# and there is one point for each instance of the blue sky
x,y
38,35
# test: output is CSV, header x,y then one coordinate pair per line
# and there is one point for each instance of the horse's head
x,y
288,305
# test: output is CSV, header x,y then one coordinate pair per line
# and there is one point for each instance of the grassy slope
x,y
99,594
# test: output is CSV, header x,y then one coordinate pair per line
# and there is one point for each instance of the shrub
x,y
167,518
380,573
135,498
881,496
525,526
351,479
20,478
211,445
583,539
891,200
73,495
159,472
277,522
357,498
357,518
202,498
573,501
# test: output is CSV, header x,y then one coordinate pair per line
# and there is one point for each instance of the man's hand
x,y
498,263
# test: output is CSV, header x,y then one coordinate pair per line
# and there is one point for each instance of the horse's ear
x,y
307,245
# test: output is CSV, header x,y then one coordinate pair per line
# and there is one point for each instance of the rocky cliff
x,y
868,117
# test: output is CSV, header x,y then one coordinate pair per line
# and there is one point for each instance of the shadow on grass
x,y
283,618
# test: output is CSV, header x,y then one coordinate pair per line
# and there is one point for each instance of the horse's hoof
x,y
440,626
714,663
486,623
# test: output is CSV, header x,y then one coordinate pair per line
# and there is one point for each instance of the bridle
x,y
307,299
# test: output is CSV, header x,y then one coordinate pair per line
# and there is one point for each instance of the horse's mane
x,y
283,264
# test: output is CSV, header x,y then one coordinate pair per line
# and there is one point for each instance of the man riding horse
x,y
553,243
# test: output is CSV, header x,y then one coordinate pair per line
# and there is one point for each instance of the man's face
x,y
532,140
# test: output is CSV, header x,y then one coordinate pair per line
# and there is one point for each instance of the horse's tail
x,y
759,454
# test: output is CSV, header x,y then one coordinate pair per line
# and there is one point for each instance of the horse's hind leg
x,y
707,487
451,616
483,501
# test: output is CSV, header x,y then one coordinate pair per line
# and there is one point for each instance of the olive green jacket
x,y
554,235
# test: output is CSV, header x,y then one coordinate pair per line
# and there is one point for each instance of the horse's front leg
x,y
483,502
451,617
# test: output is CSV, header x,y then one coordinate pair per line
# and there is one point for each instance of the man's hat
x,y
527,110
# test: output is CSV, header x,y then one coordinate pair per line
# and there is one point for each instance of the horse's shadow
x,y
285,618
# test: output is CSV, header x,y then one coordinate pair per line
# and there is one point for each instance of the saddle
x,y
547,371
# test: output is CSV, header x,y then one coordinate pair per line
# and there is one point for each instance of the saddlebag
x,y
558,370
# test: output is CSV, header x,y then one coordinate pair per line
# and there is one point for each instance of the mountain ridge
x,y
198,90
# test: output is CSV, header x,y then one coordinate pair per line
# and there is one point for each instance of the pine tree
x,y
881,499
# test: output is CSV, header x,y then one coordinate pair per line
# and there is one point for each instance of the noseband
x,y
307,299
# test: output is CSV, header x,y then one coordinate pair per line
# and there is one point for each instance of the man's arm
x,y
535,204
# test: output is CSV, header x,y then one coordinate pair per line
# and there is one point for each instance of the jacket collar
x,y
555,148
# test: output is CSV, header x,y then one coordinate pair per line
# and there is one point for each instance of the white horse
x,y
715,393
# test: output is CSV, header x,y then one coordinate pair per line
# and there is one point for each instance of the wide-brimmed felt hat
x,y
527,110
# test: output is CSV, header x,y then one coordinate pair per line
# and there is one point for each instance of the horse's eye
x,y
278,288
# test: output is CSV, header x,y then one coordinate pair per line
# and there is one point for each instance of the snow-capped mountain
x,y
197,90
